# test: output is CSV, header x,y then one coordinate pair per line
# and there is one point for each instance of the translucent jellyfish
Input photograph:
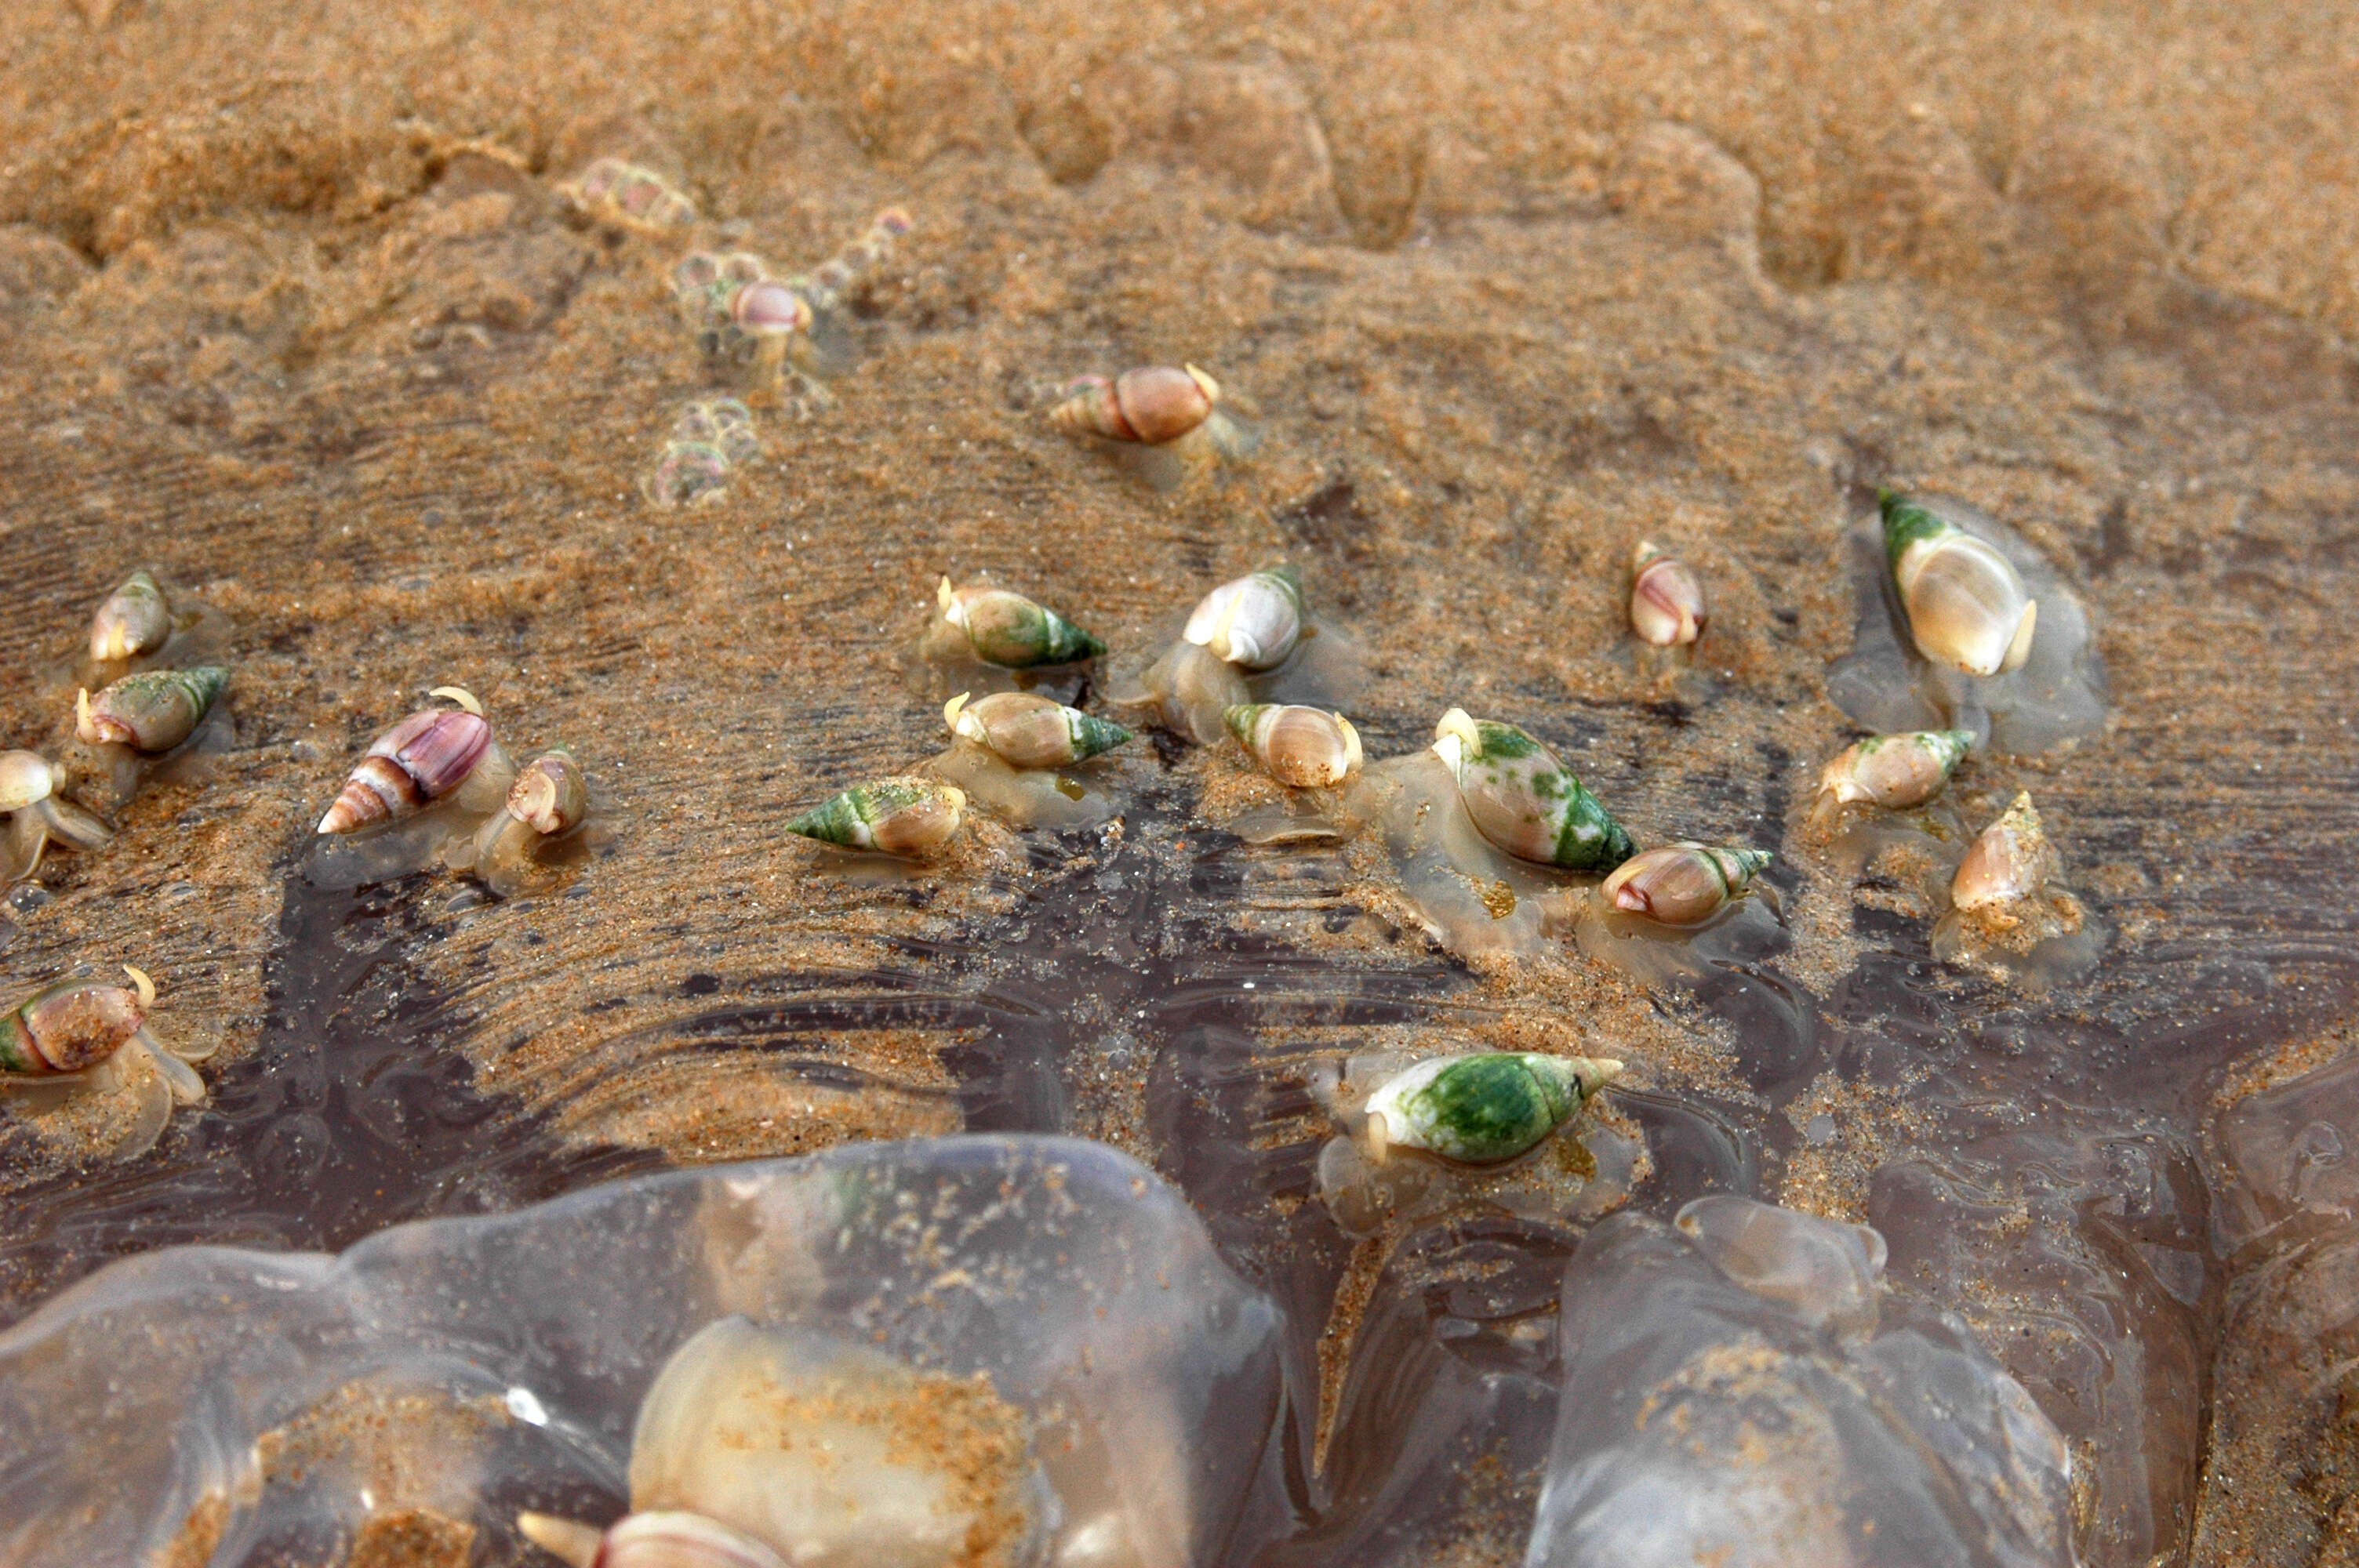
x,y
1048,1298
1734,1395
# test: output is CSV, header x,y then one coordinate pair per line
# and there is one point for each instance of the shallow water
x,y
355,1115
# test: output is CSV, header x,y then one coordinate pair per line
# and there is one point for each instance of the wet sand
x,y
294,315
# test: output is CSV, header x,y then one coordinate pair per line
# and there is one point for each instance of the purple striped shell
x,y
410,767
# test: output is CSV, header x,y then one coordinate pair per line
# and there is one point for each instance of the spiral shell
x,y
1026,730
906,817
1010,630
1253,623
417,762
1483,1108
1682,884
152,711
2012,860
1897,771
26,778
135,619
71,1026
1524,800
1966,606
1152,406
551,795
1666,604
1305,748
665,1538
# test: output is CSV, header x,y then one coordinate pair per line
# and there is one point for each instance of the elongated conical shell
x,y
1010,630
1253,623
1524,800
1307,748
551,795
410,767
1026,730
1897,771
1966,606
2011,860
136,619
26,777
908,817
1484,1108
154,710
1684,883
1153,406
67,1027
1667,605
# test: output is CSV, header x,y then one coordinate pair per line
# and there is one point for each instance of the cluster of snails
x,y
139,705
711,438
758,326
148,710
438,787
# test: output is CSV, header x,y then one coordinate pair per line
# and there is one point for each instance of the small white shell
x,y
1667,606
26,778
1253,623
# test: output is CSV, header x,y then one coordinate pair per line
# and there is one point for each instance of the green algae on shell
x,y
1896,770
69,1027
1028,730
1010,630
1484,1109
904,815
1524,800
1967,607
152,711
1682,884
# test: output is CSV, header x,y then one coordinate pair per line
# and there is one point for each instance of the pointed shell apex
x,y
462,695
1595,1072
